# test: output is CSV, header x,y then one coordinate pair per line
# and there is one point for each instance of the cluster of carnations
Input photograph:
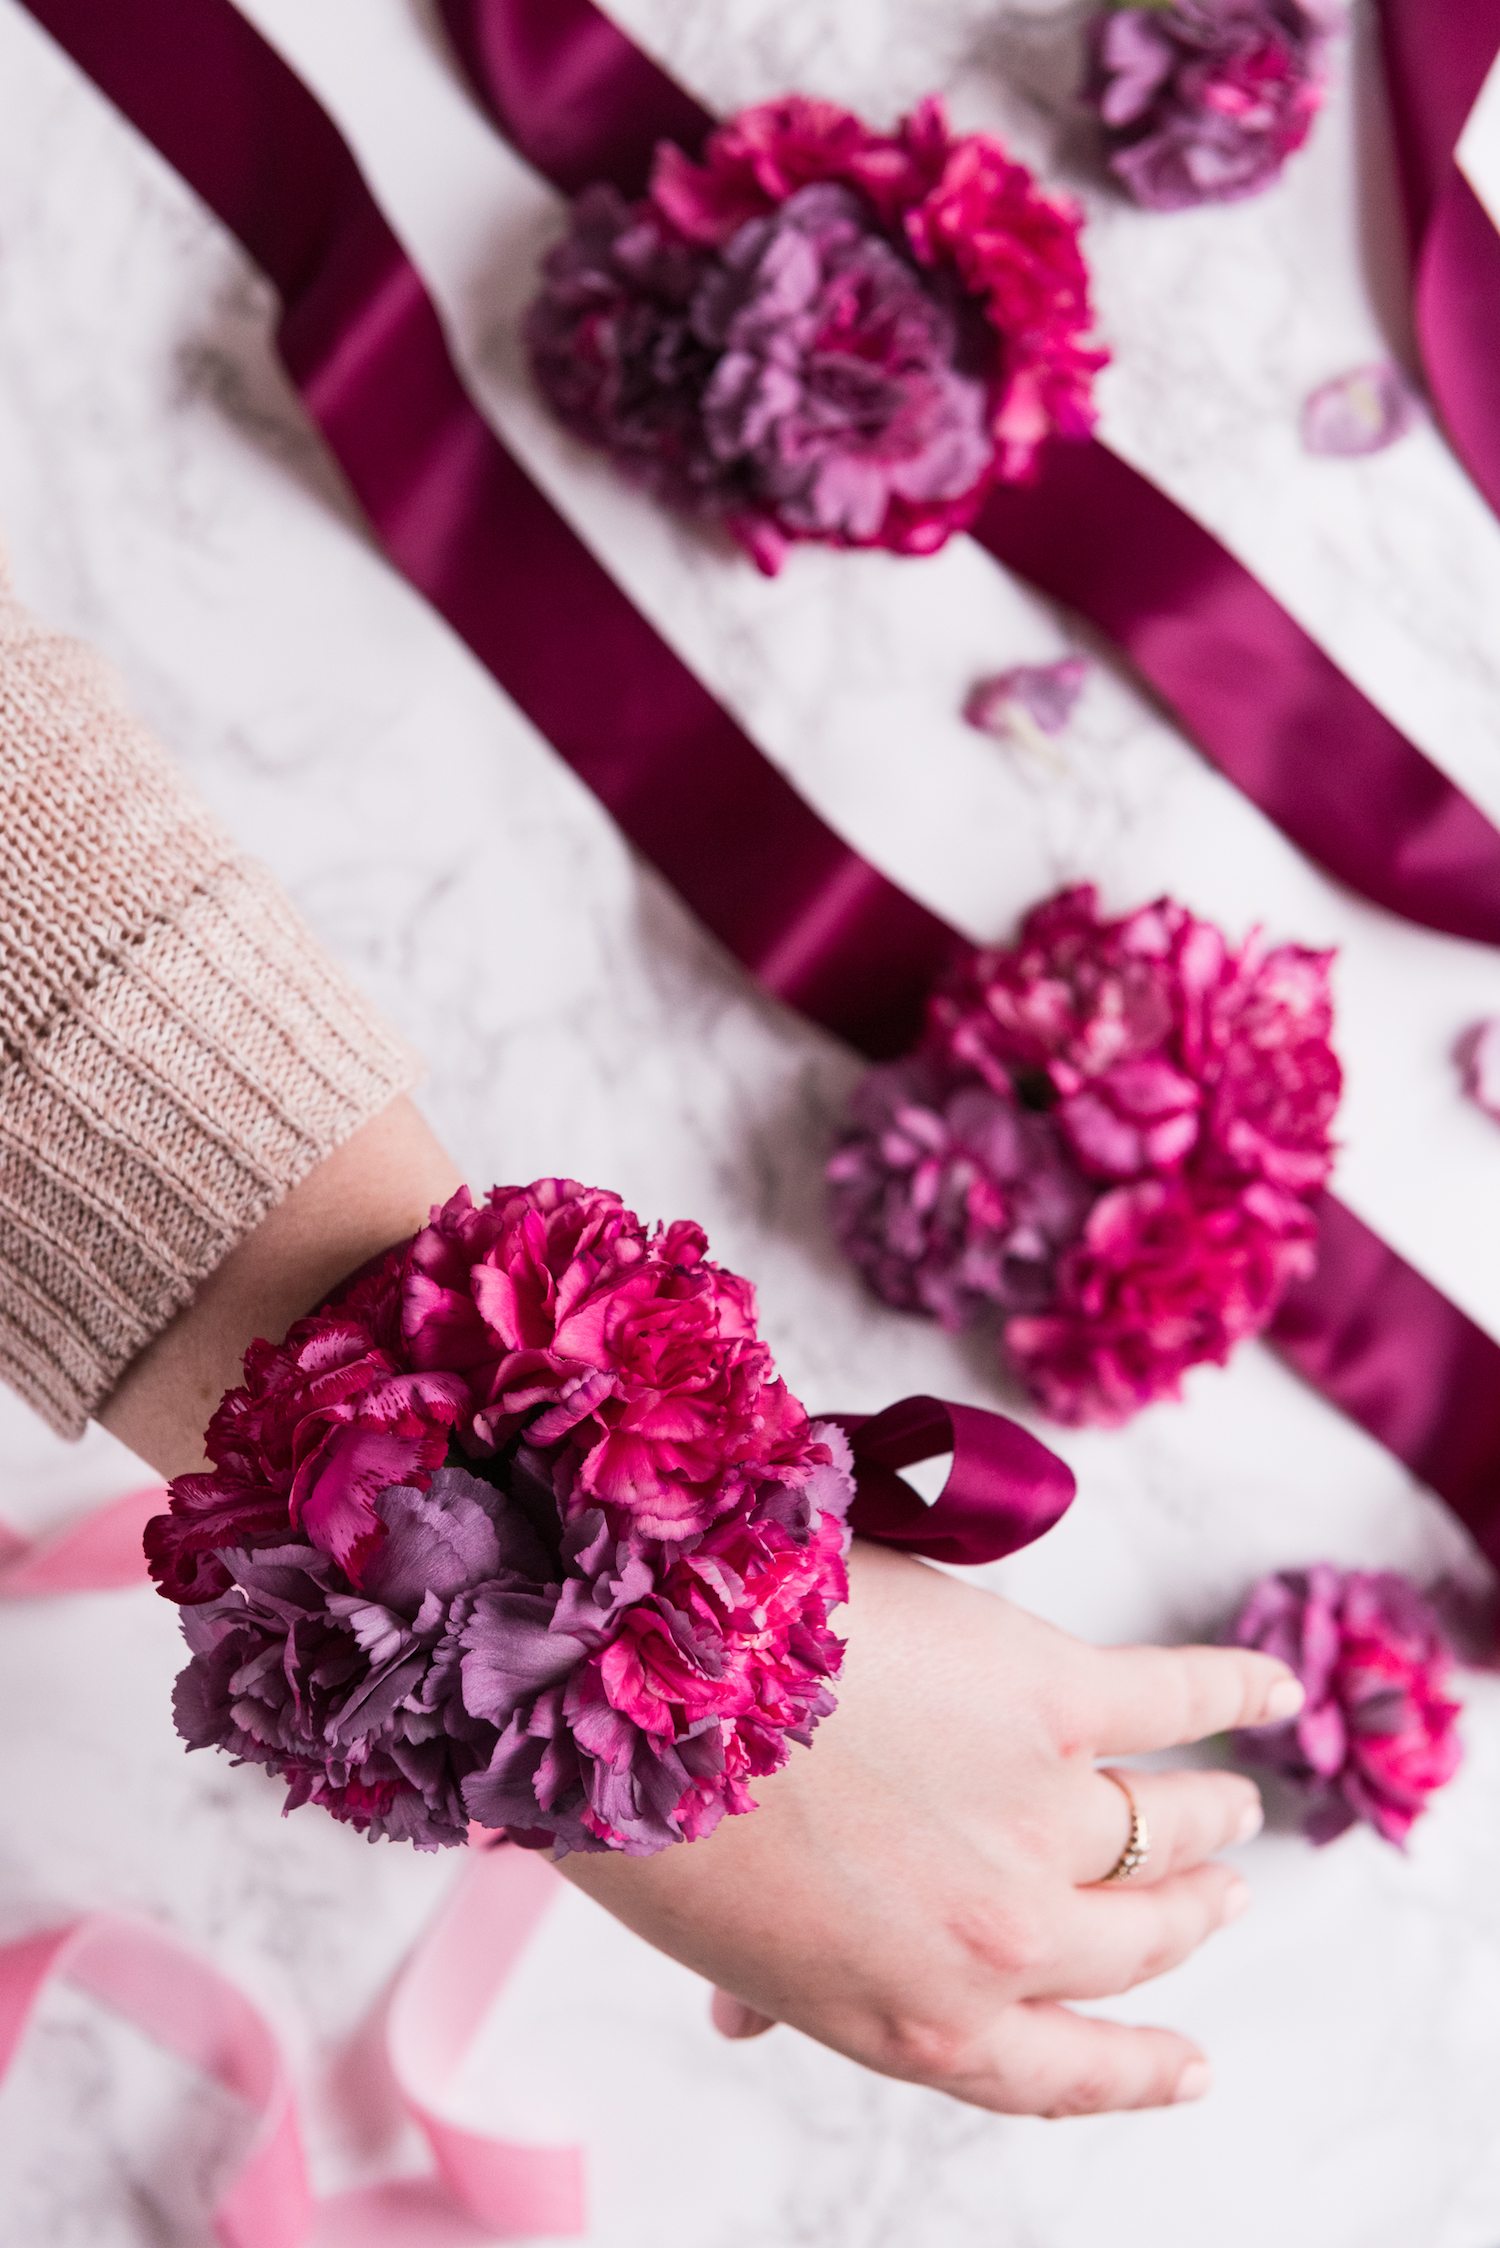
x,y
1111,1136
1378,1733
1203,101
522,1528
821,331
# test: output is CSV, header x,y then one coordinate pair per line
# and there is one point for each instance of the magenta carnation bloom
x,y
522,1526
636,1356
1378,1731
1165,1278
1153,1103
821,332
325,1421
1203,101
950,1197
1154,1042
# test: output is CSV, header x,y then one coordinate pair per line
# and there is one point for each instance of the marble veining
x,y
160,493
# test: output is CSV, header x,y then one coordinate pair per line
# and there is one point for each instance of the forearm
x,y
374,1190
177,1053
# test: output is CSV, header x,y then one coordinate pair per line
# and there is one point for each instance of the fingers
x,y
731,2017
1045,2061
1189,1816
1112,1939
1143,1698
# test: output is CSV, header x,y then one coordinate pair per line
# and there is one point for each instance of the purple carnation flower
x,y
837,389
616,353
352,1697
949,1197
806,371
1203,101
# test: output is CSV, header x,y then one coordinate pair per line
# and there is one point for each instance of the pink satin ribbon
x,y
486,2187
100,1552
1437,59
814,923
1275,714
195,2012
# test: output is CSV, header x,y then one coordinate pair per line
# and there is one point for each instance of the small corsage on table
x,y
1203,101
1378,1733
1110,1138
520,1527
822,331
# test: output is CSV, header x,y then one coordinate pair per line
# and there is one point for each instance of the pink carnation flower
x,y
1155,1041
1165,1278
822,332
1378,1733
522,1527
633,1353
324,1422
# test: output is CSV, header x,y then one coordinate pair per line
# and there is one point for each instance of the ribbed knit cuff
x,y
205,1070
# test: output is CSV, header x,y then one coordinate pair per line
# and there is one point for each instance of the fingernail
x,y
1252,1819
1236,1899
1285,1699
1196,2079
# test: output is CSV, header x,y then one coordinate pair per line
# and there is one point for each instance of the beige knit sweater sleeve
x,y
175,1050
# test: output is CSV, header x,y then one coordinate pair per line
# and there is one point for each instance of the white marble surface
x,y
160,494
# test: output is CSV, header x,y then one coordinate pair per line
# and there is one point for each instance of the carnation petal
x,y
1479,1059
512,1651
1360,412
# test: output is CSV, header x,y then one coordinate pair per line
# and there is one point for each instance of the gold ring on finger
x,y
1137,1842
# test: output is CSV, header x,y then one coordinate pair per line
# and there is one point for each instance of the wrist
x,y
374,1190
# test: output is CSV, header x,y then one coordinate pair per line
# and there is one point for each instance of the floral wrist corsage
x,y
520,1527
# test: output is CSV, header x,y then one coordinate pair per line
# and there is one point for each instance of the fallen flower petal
x,y
1360,412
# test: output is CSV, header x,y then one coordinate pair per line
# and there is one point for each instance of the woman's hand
x,y
920,1889
915,1891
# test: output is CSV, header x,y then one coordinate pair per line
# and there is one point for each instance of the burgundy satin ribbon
x,y
1275,714
1004,1490
1371,1333
803,913
1437,59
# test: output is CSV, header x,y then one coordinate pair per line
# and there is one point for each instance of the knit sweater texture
x,y
176,1051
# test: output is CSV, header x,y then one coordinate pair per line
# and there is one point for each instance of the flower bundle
x,y
520,1527
1377,1734
1203,101
1111,1136
820,331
